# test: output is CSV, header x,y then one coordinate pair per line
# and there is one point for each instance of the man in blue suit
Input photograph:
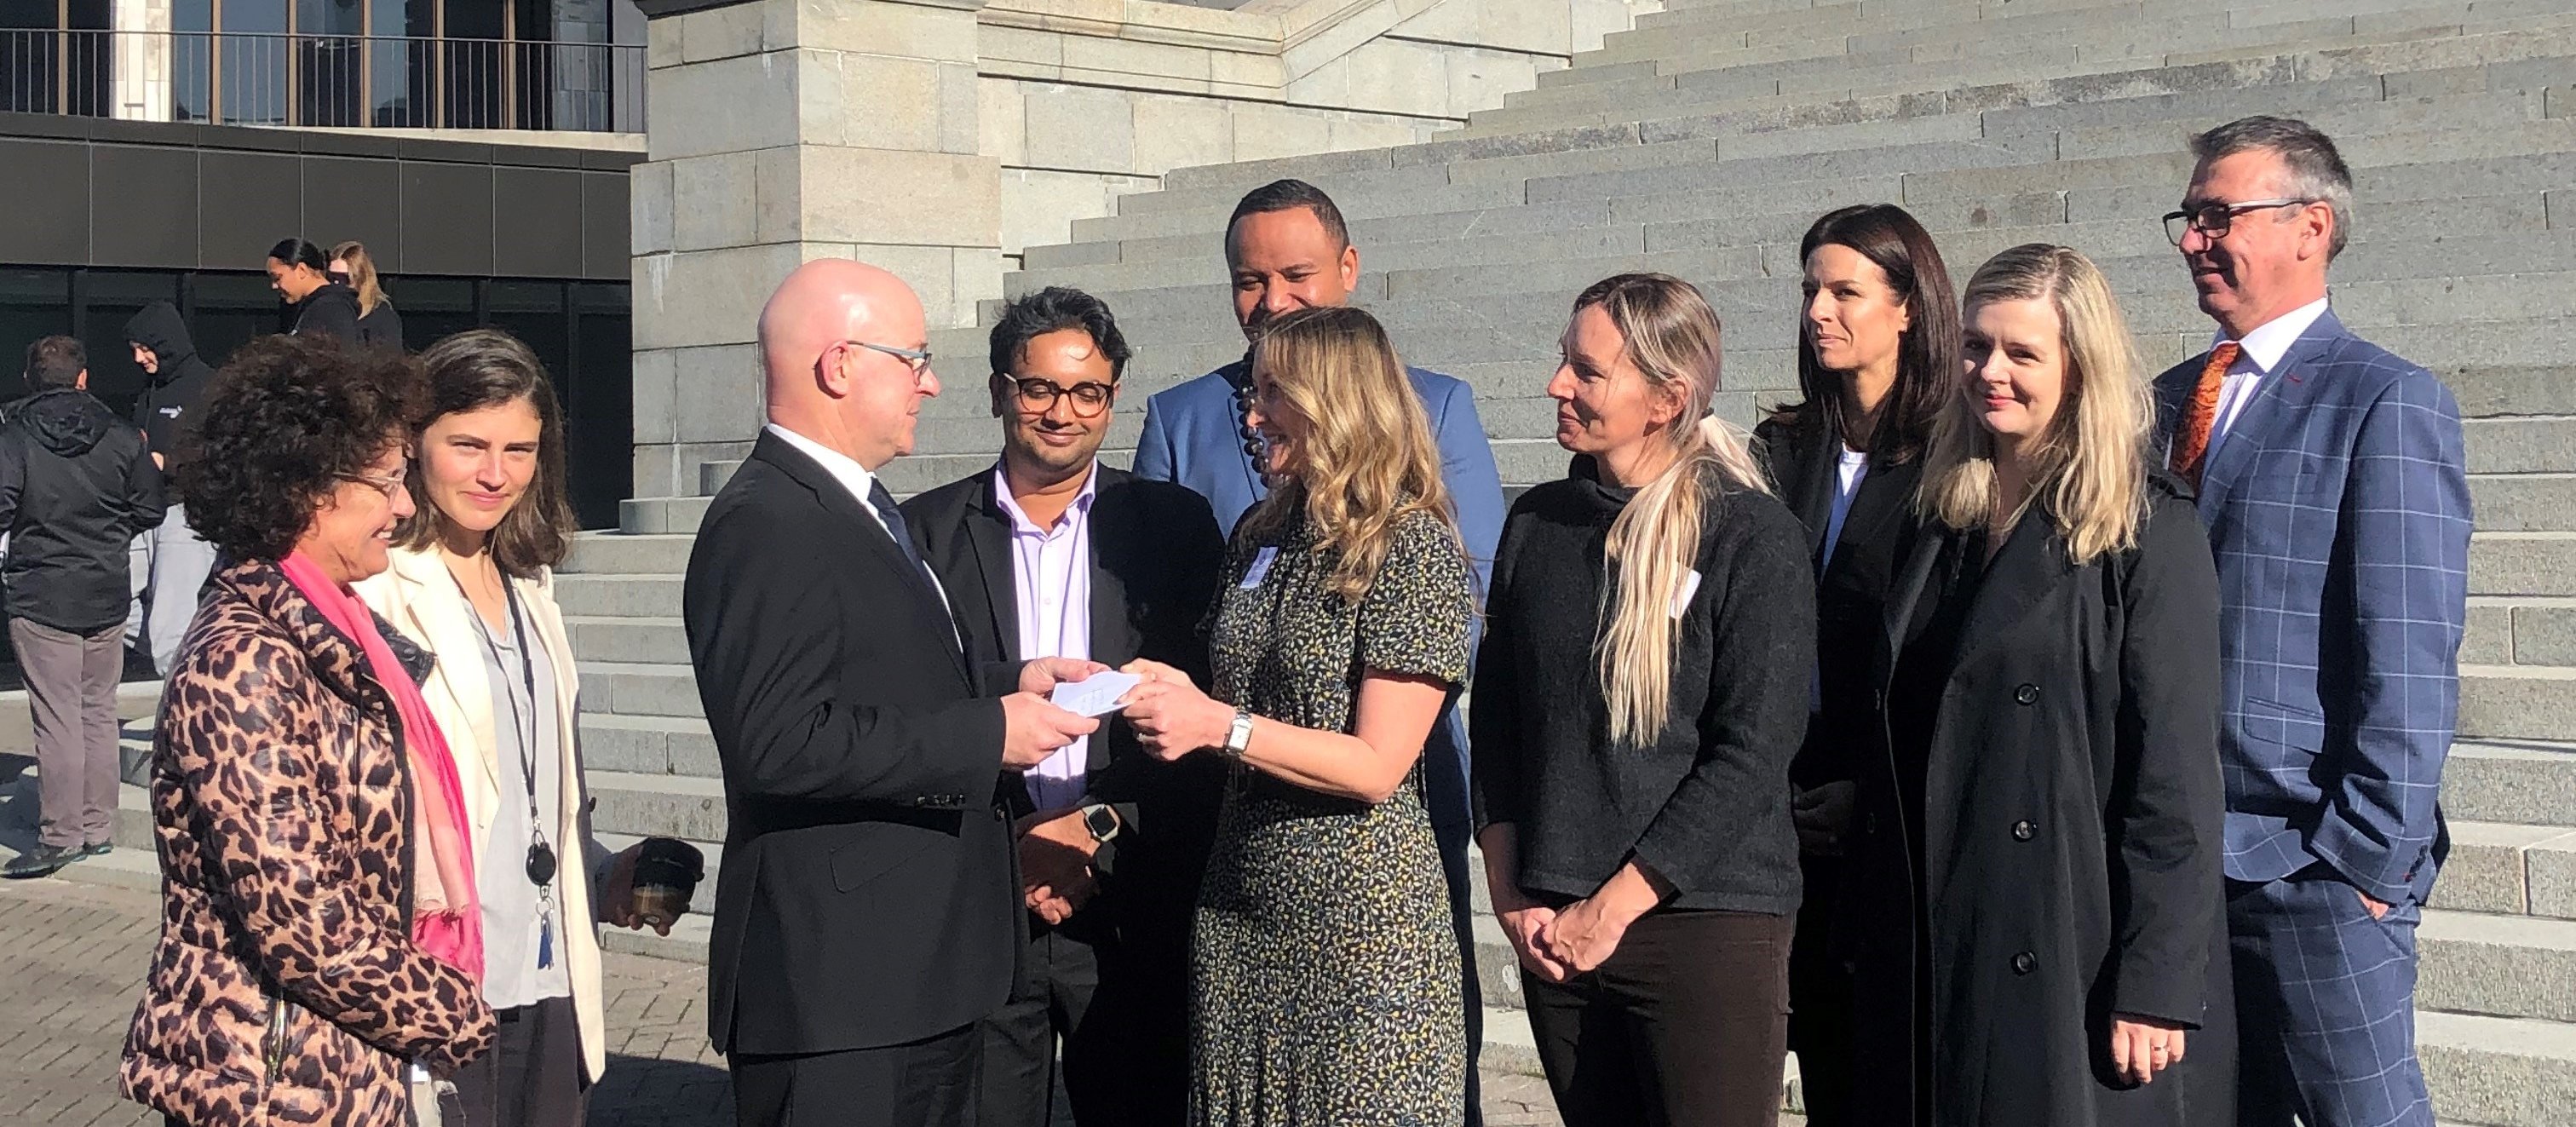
x,y
2333,482
1287,249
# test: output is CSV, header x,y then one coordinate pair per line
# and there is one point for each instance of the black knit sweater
x,y
1707,805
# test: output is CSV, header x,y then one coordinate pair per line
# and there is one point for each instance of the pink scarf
x,y
447,919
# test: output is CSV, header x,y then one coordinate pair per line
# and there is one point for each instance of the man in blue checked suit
x,y
2333,482
1287,248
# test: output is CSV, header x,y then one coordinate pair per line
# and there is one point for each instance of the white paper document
x,y
1095,695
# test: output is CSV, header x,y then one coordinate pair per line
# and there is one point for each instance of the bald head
x,y
822,383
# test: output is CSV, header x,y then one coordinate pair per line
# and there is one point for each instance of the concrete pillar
x,y
139,60
783,131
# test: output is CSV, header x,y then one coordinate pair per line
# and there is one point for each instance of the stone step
x,y
2543,445
1976,52
2523,563
2498,1071
2534,502
2520,630
2505,966
2517,702
2511,782
688,807
624,596
621,638
649,745
2508,869
1917,81
618,553
660,516
639,688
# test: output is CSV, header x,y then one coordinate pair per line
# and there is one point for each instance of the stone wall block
x,y
1263,132
657,415
695,298
883,196
1001,120
662,43
714,201
1088,130
1181,133
776,184
960,108
1129,57
1400,77
1246,69
649,206
887,27
726,106
722,33
1534,26
823,99
657,472
889,103
1341,38
1479,79
1039,206
1374,131
710,391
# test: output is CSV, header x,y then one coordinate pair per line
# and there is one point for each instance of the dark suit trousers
x,y
1124,1029
1685,1025
926,1083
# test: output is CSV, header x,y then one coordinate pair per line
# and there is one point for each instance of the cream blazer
x,y
420,598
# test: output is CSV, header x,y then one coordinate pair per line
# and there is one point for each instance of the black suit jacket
x,y
1851,594
866,897
1155,558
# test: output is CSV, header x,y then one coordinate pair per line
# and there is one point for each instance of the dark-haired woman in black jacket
x,y
1878,354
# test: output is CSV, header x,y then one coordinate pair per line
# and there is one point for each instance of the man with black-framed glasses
x,y
1052,554
2332,477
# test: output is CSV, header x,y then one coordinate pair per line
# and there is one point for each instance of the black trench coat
x,y
2070,848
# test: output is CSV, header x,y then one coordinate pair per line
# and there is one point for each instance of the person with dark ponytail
x,y
1640,692
1878,352
316,305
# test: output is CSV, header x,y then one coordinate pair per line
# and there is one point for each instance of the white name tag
x,y
1260,569
1682,597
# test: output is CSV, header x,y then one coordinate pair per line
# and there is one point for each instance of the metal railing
x,y
349,81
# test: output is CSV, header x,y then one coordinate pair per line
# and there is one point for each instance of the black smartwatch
x,y
1101,821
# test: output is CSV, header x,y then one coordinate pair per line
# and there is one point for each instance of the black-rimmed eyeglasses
x,y
2214,219
1037,396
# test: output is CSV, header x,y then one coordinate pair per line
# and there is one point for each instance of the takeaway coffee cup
x,y
667,871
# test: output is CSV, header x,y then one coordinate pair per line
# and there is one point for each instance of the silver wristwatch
x,y
1238,735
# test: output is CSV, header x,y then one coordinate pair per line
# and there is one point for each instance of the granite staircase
x,y
1702,143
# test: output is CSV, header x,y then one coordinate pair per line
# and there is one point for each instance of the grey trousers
x,y
71,689
170,566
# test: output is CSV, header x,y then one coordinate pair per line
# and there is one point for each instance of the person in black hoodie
x,y
315,305
76,486
176,560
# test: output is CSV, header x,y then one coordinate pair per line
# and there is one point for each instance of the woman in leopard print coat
x,y
286,986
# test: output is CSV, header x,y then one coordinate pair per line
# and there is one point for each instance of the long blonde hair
x,y
1669,333
2089,470
1366,448
362,276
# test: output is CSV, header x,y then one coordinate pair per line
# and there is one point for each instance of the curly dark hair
x,y
283,424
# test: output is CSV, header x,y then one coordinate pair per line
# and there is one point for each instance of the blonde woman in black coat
x,y
2038,858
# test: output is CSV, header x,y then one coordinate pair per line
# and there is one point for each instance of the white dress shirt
x,y
859,480
2263,349
1051,580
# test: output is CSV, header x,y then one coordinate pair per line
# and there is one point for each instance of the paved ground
x,y
71,956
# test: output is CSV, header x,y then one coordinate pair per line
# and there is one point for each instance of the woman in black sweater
x,y
1878,356
1640,691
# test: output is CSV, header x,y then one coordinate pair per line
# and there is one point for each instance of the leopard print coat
x,y
285,988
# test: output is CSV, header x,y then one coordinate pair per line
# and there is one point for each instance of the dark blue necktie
x,y
884,504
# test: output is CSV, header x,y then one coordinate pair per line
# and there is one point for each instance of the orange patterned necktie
x,y
2191,440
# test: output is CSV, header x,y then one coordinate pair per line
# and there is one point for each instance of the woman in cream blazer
x,y
472,582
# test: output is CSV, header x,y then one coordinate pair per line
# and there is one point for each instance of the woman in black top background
x,y
1641,688
1878,356
2036,867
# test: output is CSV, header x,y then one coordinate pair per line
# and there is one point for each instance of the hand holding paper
x,y
1096,695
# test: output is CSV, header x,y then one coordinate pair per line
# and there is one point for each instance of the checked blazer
x,y
2338,510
